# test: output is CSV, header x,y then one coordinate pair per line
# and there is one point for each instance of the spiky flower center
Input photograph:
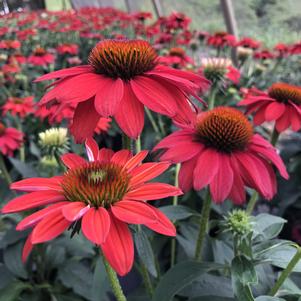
x,y
2,129
123,59
283,92
225,129
95,183
39,51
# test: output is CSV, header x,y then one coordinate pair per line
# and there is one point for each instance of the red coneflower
x,y
263,55
19,106
40,57
282,104
220,150
221,39
10,140
176,58
122,77
248,43
102,195
67,49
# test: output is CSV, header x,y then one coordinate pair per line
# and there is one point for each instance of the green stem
x,y
161,125
126,142
112,276
4,171
203,226
174,203
252,202
285,273
138,145
274,137
211,100
146,279
152,121
22,148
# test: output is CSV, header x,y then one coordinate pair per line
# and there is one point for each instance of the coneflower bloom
x,y
122,77
10,139
221,150
40,57
102,195
67,49
221,39
281,103
19,106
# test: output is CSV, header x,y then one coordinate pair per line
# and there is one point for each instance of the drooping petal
x,y
119,247
283,122
72,160
206,168
134,212
32,200
186,174
96,225
135,161
38,184
92,149
222,183
274,110
74,210
32,219
153,191
108,97
49,228
27,248
85,120
163,225
147,171
154,95
130,114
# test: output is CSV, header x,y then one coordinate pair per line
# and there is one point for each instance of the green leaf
x,y
5,276
25,169
12,259
67,298
180,276
77,276
100,284
243,274
145,252
13,290
212,298
178,212
267,226
268,298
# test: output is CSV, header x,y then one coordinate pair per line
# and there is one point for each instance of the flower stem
x,y
116,287
146,279
285,273
203,226
252,202
126,142
174,203
138,145
274,136
22,148
152,121
4,171
211,100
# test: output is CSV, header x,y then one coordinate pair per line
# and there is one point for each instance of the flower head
x,y
281,103
40,57
221,150
10,140
19,106
122,77
102,195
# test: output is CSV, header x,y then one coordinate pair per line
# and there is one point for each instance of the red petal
x,y
134,212
186,174
33,219
105,155
147,171
85,120
135,161
153,191
74,211
96,225
283,122
32,200
38,184
274,110
163,225
72,160
130,114
121,157
206,168
119,247
49,228
154,95
108,97
92,149
27,248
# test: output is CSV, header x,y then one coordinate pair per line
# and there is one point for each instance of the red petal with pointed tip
x,y
49,228
32,200
153,191
186,174
74,211
119,247
38,184
92,149
96,225
72,160
121,157
27,248
135,161
134,212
